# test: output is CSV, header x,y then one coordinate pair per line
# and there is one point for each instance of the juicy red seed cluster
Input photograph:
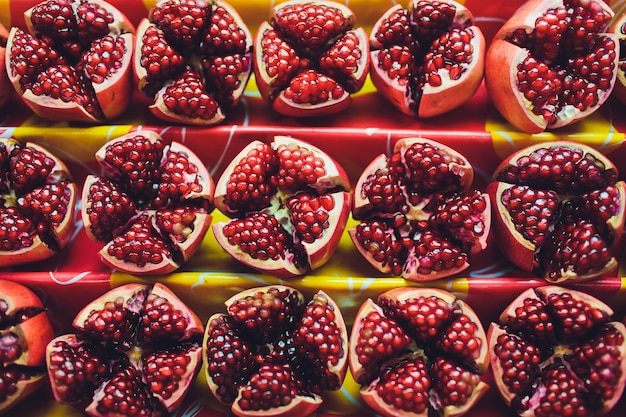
x,y
318,337
398,62
104,58
424,315
395,30
137,160
187,96
453,383
10,349
460,339
432,18
178,222
224,72
562,394
55,17
260,236
380,337
139,245
160,60
311,87
576,317
429,168
112,323
61,82
182,21
298,167
601,204
29,56
406,386
16,230
460,210
224,34
271,387
435,253
46,205
533,319
310,215
108,208
30,168
10,376
595,67
383,191
519,361
125,392
92,21
179,178
280,59
164,372
450,51
380,242
532,211
161,321
343,57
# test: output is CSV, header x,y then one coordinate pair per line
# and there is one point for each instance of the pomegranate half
x,y
25,330
152,205
554,62
559,210
418,215
74,61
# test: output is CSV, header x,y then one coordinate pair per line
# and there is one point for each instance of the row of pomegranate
x,y
413,351
551,64
555,209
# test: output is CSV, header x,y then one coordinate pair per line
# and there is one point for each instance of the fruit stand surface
x,y
72,278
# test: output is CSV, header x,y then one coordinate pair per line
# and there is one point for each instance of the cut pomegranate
x,y
421,342
559,210
37,202
136,352
274,353
556,351
152,206
25,330
619,29
552,63
290,202
74,62
418,215
309,58
427,59
193,59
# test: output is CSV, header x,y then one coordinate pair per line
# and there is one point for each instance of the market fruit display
x,y
37,203
151,207
5,85
418,352
559,211
619,28
289,202
418,215
193,60
427,58
552,63
73,63
309,58
136,351
25,330
274,352
558,352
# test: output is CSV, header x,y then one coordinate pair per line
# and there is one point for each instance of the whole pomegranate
x,y
37,201
193,59
559,210
152,205
428,58
136,351
557,352
619,28
552,63
5,85
309,58
418,215
274,353
73,63
290,202
25,330
418,352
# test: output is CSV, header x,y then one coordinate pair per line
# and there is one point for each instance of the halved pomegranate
x,y
559,210
619,28
5,85
309,58
418,214
290,203
25,330
427,59
557,352
274,353
552,63
74,62
136,351
152,205
37,202
418,352
194,59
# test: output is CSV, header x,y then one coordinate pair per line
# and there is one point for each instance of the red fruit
x,y
552,63
37,198
136,352
73,64
559,210
193,59
289,202
4,80
309,58
152,205
427,59
274,353
557,352
25,330
619,28
419,217
418,352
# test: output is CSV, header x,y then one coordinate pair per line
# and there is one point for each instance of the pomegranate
x,y
428,58
310,58
152,205
25,330
552,63
418,215
73,63
37,200
619,28
418,352
4,80
559,210
289,203
136,351
193,60
273,353
557,352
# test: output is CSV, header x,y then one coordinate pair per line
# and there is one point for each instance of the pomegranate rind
x,y
619,89
298,407
287,107
4,79
195,327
